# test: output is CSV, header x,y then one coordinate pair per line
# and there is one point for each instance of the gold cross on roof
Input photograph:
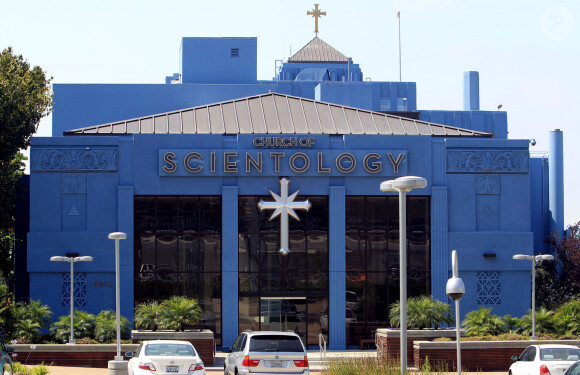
x,y
316,14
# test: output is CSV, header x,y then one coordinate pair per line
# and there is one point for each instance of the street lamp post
x,y
402,185
72,259
118,236
455,289
535,260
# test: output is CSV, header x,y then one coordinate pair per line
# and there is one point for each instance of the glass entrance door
x,y
283,314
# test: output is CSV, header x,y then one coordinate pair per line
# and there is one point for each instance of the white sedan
x,y
545,360
165,357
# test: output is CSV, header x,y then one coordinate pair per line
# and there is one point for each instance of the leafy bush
x,y
177,312
482,323
84,326
106,327
147,315
567,318
545,323
29,319
422,312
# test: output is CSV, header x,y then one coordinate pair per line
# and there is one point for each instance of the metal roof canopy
x,y
274,113
318,51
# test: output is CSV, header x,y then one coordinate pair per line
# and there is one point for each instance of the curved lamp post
x,y
72,259
402,185
455,289
118,236
535,260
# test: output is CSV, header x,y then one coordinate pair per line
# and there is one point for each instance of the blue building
x,y
181,167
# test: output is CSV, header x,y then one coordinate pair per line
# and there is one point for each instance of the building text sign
x,y
273,162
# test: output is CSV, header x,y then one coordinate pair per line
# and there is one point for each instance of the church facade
x,y
261,198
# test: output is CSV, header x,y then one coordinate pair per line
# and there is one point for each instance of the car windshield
x,y
180,350
275,343
560,354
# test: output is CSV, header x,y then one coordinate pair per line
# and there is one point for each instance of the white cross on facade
x,y
283,206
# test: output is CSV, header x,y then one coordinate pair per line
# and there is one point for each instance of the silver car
x,y
267,352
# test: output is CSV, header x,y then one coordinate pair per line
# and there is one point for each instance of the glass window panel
x,y
354,213
188,213
248,260
376,213
210,251
317,319
271,281
318,281
248,215
294,281
210,214
376,294
317,252
318,214
249,282
166,250
249,316
188,252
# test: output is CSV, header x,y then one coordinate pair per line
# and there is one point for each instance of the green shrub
x,y
567,318
482,323
178,312
422,312
29,319
368,365
106,327
545,322
147,315
84,326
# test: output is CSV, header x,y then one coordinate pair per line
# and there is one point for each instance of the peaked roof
x,y
275,113
318,51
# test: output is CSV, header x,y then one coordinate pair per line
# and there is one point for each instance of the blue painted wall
x,y
218,60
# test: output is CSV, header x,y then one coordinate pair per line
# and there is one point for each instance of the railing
x,y
322,346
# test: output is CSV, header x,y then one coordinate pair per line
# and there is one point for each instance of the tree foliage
x,y
422,312
562,274
25,98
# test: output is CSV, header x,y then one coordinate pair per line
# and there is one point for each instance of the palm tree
x,y
106,326
29,319
482,323
147,315
178,312
422,312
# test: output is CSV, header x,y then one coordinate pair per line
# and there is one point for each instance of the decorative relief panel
x,y
80,289
74,183
74,159
489,288
487,161
488,184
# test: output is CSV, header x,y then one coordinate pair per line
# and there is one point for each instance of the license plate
x,y
172,368
275,363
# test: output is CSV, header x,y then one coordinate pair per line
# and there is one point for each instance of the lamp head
x,y
410,182
522,257
387,186
117,236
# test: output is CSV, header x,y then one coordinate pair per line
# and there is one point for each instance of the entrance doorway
x,y
284,314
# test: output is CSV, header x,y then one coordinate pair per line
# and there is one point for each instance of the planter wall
x,y
388,341
99,355
79,355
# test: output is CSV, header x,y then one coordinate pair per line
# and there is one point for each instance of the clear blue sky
x,y
527,52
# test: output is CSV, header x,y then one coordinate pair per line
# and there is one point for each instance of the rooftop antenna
x,y
399,18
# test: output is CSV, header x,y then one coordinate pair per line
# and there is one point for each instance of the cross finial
x,y
284,206
316,14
